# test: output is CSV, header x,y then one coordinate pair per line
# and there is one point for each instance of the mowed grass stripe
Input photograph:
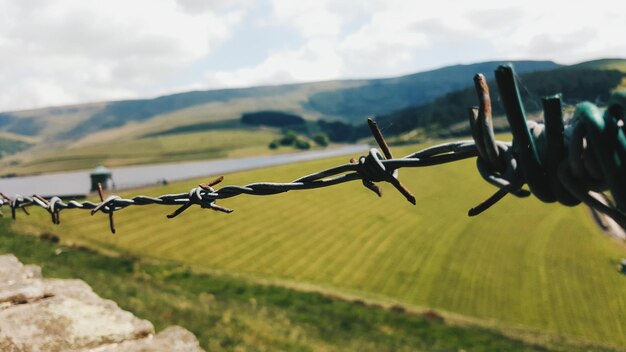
x,y
210,231
549,267
417,256
412,259
189,234
162,245
593,288
246,238
203,234
521,263
251,242
496,268
535,263
394,283
357,250
367,258
149,224
290,262
565,297
360,254
291,259
326,249
317,242
322,253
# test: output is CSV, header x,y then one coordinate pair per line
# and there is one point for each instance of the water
x,y
78,182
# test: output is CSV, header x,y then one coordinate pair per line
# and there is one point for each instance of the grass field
x,y
521,265
233,314
168,148
127,144
608,64
605,64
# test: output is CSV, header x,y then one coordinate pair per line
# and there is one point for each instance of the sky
x,y
57,52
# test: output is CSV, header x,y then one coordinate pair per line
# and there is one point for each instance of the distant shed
x,y
100,175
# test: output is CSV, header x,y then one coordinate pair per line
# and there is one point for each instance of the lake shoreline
x,y
128,177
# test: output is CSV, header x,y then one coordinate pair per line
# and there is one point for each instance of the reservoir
x,y
78,182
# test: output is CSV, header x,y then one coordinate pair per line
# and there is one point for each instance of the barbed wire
x,y
581,161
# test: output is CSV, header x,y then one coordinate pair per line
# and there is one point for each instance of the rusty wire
x,y
564,163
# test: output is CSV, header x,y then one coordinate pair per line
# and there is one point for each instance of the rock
x,y
38,314
19,283
12,269
173,339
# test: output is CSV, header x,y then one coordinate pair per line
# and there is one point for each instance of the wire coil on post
x,y
569,163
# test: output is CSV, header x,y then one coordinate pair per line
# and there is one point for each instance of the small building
x,y
100,175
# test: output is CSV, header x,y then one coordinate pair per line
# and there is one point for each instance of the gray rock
x,y
62,323
19,283
51,315
11,269
172,339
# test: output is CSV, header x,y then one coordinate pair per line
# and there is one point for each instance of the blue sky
x,y
73,51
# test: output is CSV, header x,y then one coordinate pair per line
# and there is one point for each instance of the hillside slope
x,y
80,136
593,81
604,64
381,96
315,100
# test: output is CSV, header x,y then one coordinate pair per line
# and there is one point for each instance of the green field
x,y
605,64
158,149
522,267
11,146
151,141
228,313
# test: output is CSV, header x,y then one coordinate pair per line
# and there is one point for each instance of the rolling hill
x,y
381,96
345,100
82,135
604,64
577,83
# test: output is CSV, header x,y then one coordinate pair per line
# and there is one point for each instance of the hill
x,y
81,136
345,100
11,143
120,113
603,64
577,83
522,265
381,96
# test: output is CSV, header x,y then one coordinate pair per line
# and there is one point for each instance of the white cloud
x,y
65,51
201,6
568,33
403,36
389,40
310,18
317,60
69,51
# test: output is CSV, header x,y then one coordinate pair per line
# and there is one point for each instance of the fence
x,y
583,160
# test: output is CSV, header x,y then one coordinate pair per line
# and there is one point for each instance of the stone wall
x,y
38,314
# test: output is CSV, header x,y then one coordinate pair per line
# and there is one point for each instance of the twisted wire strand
x,y
372,168
583,160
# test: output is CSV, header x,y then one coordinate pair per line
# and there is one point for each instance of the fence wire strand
x,y
581,161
